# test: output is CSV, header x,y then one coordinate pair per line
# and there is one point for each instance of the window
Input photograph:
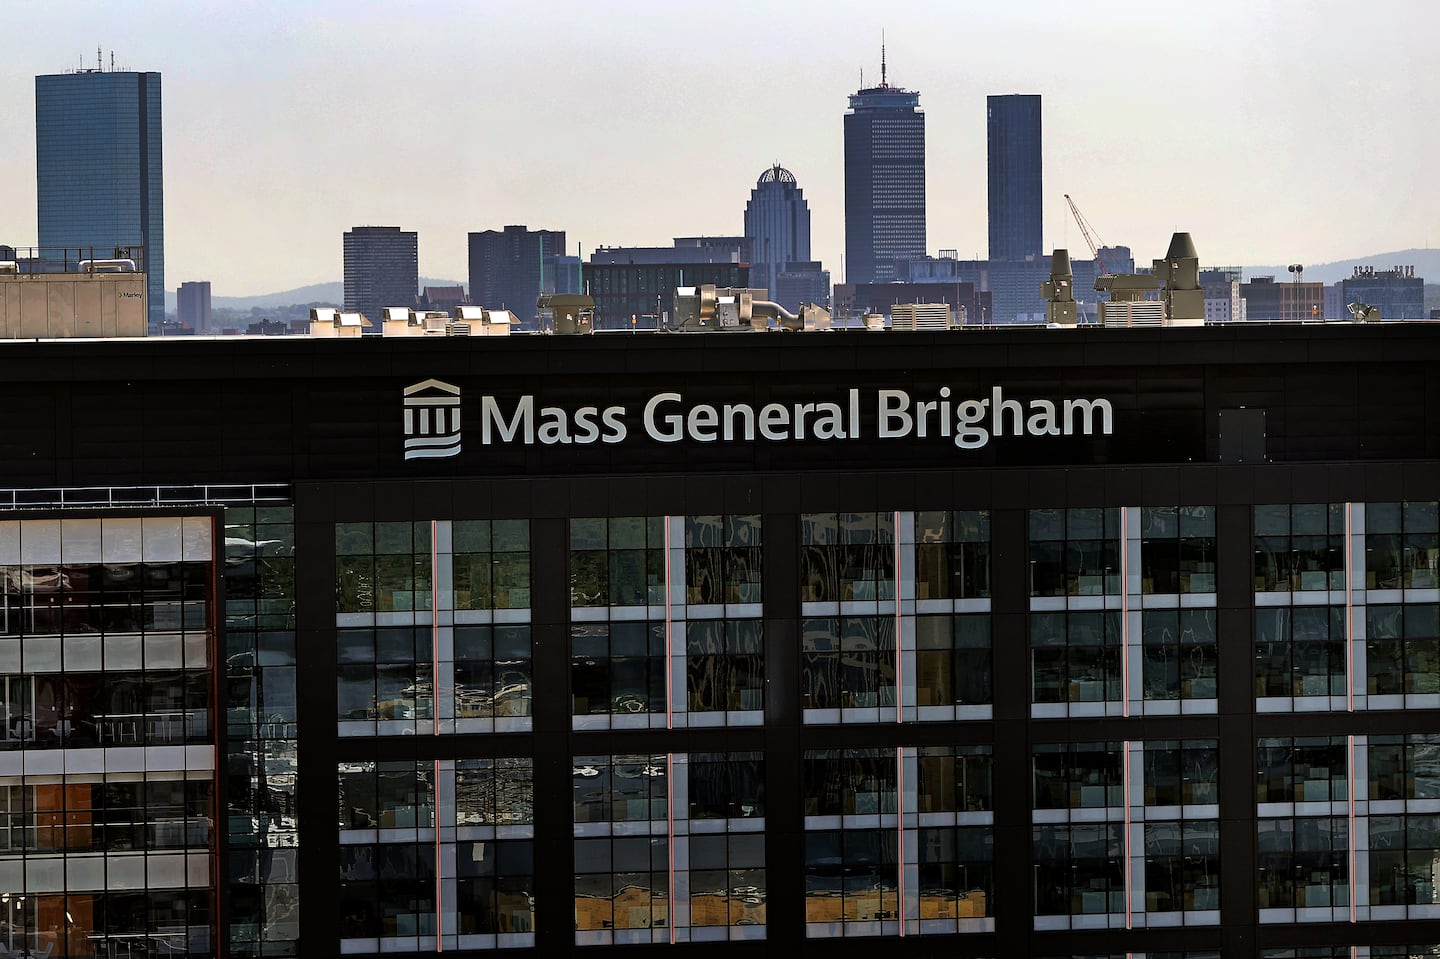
x,y
1075,552
389,795
494,792
955,779
1180,656
1404,767
383,677
1177,549
1402,649
492,672
1303,863
1402,545
492,564
382,567
617,667
1299,548
1182,772
1300,651
722,559
1078,775
1079,869
847,556
618,561
848,662
1182,866
724,665
952,554
1305,769
953,660
1075,657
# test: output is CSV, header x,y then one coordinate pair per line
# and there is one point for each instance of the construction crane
x,y
1089,234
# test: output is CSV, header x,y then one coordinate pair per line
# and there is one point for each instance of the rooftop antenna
x,y
112,61
99,58
882,59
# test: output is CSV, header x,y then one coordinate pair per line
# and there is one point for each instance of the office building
x,y
777,226
1014,285
1288,302
192,306
799,283
884,181
640,295
778,642
1223,303
100,178
443,298
382,268
1015,177
511,268
1397,292
684,249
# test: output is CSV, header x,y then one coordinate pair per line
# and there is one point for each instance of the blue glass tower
x,y
1016,196
100,181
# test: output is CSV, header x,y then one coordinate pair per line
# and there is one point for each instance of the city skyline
x,y
1282,150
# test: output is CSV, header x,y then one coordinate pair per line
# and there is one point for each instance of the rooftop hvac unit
x,y
920,316
1132,313
107,266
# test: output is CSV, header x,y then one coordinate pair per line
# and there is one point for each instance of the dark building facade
x,y
510,268
1398,292
382,268
1287,302
1015,176
640,295
1091,642
99,172
884,182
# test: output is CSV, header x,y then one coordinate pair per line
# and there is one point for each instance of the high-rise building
x,y
777,224
1289,302
192,305
1398,292
510,268
884,181
382,268
99,177
1015,186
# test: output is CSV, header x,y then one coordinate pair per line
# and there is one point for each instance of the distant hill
x,y
314,293
1426,263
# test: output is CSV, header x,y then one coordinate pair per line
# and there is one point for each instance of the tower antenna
x,y
882,59
99,55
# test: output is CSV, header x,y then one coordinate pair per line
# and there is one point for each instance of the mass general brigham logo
x,y
432,420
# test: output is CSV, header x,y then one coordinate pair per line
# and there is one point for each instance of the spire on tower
x,y
882,59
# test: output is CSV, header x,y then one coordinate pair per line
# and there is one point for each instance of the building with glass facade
x,y
1094,642
884,182
100,184
1015,176
511,268
382,268
777,226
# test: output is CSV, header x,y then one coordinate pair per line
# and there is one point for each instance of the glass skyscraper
x,y
1016,197
777,223
99,175
382,268
884,182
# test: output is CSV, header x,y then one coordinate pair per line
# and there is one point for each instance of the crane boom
x,y
1089,234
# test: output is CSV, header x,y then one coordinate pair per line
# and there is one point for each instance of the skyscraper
x,y
99,177
382,268
777,224
884,180
192,306
510,268
1016,198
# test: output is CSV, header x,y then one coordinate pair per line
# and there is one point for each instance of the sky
x,y
1275,131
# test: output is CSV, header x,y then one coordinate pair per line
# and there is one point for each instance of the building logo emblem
x,y
432,420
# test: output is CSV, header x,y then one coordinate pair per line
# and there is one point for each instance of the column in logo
x,y
432,420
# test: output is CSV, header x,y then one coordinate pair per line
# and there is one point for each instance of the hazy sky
x,y
1272,131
